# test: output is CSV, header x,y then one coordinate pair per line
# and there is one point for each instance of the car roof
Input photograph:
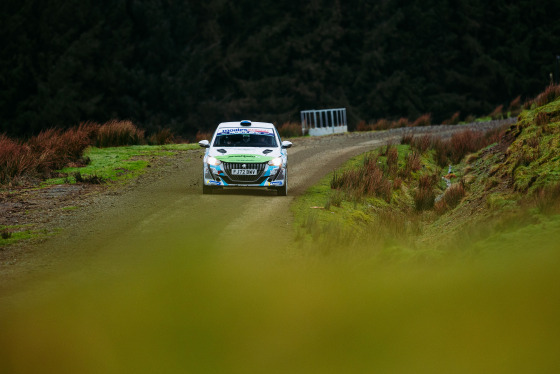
x,y
253,124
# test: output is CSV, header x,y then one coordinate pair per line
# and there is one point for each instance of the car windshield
x,y
242,137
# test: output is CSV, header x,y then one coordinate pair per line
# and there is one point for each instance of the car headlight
x,y
275,161
211,160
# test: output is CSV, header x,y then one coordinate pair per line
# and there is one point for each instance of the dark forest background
x,y
189,65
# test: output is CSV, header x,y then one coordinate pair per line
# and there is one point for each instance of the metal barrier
x,y
323,122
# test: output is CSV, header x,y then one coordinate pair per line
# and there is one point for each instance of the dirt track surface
x,y
165,207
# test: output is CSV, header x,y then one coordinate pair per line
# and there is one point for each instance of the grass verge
x,y
116,164
13,234
23,162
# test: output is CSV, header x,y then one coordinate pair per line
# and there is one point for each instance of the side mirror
x,y
204,144
286,144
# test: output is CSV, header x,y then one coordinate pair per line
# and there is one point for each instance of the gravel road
x,y
165,209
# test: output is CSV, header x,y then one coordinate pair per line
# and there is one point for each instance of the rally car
x,y
245,154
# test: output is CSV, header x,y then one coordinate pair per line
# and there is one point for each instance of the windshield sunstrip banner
x,y
235,131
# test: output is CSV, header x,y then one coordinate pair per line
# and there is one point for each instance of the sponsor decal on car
x,y
244,158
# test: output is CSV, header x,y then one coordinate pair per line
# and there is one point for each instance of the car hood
x,y
247,155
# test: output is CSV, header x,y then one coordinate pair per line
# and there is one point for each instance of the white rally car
x,y
245,154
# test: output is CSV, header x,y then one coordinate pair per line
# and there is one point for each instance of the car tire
x,y
283,191
206,190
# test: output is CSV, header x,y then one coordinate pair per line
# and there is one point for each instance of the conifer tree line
x,y
189,65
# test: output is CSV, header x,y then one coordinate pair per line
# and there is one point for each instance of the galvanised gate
x,y
324,121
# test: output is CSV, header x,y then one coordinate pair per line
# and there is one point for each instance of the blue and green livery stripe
x,y
244,158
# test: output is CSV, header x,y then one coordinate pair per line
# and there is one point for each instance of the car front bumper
x,y
272,176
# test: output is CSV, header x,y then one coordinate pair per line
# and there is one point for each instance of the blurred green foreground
x,y
195,308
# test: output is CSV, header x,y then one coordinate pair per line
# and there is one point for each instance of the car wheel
x,y
283,191
206,190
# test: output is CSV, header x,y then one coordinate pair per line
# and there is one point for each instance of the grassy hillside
x,y
432,198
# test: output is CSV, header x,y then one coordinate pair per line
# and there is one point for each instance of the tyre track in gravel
x,y
164,214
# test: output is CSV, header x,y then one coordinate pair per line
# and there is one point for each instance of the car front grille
x,y
260,167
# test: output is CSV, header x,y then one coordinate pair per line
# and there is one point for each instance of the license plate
x,y
244,171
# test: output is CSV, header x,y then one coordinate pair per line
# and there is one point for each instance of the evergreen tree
x,y
190,65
